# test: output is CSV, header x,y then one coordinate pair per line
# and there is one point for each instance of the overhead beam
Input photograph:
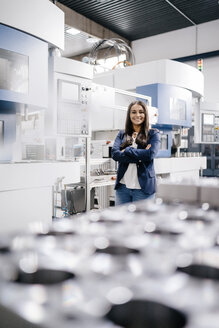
x,y
84,24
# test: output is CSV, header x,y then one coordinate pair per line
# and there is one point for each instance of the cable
x,y
122,61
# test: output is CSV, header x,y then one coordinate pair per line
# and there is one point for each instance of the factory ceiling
x,y
136,19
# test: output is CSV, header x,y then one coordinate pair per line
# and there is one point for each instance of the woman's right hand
x,y
148,146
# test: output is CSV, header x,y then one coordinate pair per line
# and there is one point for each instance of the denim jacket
x,y
143,158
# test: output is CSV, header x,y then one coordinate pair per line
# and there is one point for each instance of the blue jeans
x,y
125,195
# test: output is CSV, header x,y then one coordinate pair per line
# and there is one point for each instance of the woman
x,y
135,150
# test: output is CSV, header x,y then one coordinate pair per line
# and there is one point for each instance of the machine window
x,y
177,109
14,71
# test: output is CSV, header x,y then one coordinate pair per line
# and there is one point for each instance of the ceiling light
x,y
73,31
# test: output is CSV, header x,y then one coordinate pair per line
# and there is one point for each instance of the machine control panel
x,y
73,107
210,127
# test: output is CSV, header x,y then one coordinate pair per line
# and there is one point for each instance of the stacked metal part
x,y
190,190
146,264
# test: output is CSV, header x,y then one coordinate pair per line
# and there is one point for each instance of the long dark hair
x,y
142,136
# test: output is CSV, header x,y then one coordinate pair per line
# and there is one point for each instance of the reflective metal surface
x,y
146,264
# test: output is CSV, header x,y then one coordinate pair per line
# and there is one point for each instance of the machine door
x,y
23,68
72,106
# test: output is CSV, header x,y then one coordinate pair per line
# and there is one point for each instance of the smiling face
x,y
137,115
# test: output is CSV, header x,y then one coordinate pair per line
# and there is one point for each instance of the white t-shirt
x,y
130,178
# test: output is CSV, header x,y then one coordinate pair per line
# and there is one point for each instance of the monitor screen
x,y
208,119
69,91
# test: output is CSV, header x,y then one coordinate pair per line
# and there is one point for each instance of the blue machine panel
x,y
23,68
174,104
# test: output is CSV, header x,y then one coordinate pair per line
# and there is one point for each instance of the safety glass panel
x,y
14,71
177,109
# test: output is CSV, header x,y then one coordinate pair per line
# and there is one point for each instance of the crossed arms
x,y
133,155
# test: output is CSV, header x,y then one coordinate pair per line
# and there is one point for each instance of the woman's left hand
x,y
148,146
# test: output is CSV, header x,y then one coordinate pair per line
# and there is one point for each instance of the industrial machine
x,y
175,111
171,86
206,135
21,70
26,180
24,64
69,97
67,120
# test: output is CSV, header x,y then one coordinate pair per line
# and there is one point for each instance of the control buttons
x,y
85,89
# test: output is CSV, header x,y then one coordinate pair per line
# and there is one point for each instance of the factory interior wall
x,y
211,78
179,43
189,41
169,45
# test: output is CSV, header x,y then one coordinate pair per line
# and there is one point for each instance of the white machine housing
x,y
29,16
164,71
109,107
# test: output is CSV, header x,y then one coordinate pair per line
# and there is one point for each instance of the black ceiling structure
x,y
136,19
